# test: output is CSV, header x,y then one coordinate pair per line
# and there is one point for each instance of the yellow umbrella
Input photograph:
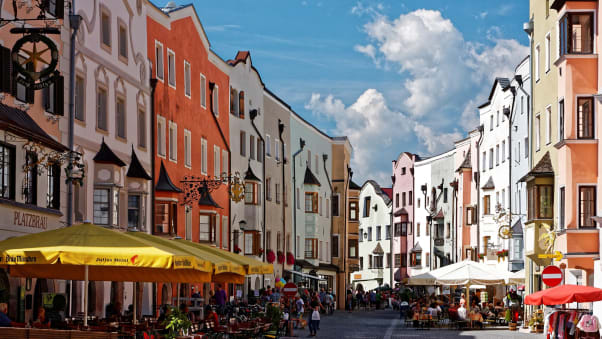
x,y
86,251
252,266
224,270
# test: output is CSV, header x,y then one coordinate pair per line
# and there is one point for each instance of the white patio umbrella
x,y
517,277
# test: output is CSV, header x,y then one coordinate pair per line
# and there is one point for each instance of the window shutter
x,y
241,104
29,92
5,70
56,198
256,243
59,97
60,9
314,202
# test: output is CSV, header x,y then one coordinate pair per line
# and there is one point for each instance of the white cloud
x,y
222,28
368,50
435,142
482,15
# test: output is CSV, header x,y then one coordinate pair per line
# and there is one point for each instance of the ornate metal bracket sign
x,y
39,67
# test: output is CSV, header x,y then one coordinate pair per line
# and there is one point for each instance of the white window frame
x,y
277,149
548,46
169,51
215,100
537,61
204,156
216,161
268,146
203,91
161,142
162,77
503,151
537,127
187,80
548,124
187,149
225,161
173,153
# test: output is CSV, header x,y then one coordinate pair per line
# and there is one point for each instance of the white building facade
x,y
419,252
374,238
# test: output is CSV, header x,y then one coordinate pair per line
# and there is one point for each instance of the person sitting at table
x,y
476,318
461,312
4,319
211,319
434,310
453,312
462,300
41,321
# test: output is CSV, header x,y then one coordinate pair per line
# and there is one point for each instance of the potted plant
x,y
176,324
270,256
237,249
290,258
481,256
280,257
501,255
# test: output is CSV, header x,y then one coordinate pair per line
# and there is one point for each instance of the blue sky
x,y
393,76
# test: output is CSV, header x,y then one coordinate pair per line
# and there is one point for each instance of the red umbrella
x,y
565,294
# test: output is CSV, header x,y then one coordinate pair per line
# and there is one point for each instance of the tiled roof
x,y
489,185
388,192
19,122
542,169
400,212
378,249
106,156
164,183
136,169
354,186
416,248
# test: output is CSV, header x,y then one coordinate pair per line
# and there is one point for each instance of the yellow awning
x,y
252,266
110,256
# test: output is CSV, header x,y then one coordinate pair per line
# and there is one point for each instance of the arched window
x,y
241,104
233,101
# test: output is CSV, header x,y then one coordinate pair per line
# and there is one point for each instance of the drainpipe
x,y
510,116
302,145
253,114
454,185
225,140
413,215
477,183
74,21
280,133
153,84
325,158
349,176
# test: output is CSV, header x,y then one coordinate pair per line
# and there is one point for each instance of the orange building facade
x,y
191,129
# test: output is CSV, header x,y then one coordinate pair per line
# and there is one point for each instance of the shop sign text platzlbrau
x,y
30,220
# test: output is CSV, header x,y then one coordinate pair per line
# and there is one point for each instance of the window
x,y
352,245
207,228
204,156
403,199
311,202
316,165
23,93
161,136
491,122
486,205
30,184
404,260
416,259
418,203
243,144
173,141
587,206
503,150
335,246
378,261
251,193
115,208
80,95
134,211
403,171
585,118
105,28
497,119
171,68
225,232
562,221
309,158
268,146
397,229
311,248
159,67
397,260
252,147
548,125
428,260
268,189
418,229
561,120
252,242
233,101
378,228
361,235
327,208
101,108
484,160
277,191
537,132
216,162
203,91
277,149
396,199
576,33
259,150
428,229
187,78
540,199
225,165
503,198
353,210
367,207
123,38
471,216
490,158
120,114
388,232
187,148
101,206
369,233
361,263
548,53
53,96
241,104
445,195
320,206
215,100
526,143
410,198
165,218
497,155
53,193
537,56
335,205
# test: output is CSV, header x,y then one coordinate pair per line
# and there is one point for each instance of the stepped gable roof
x,y
543,168
467,163
378,249
106,156
489,185
164,183
136,170
310,178
19,122
354,186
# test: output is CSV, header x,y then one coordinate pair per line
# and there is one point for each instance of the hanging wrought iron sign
x,y
237,189
38,69
197,189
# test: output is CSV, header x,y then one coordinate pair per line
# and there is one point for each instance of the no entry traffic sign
x,y
289,290
551,276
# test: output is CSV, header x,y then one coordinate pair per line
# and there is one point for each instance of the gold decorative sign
x,y
38,69
505,232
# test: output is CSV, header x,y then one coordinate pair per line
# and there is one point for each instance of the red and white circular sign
x,y
289,290
551,276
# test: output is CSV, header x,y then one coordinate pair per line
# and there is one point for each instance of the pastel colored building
x,y
420,249
375,243
403,212
190,129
